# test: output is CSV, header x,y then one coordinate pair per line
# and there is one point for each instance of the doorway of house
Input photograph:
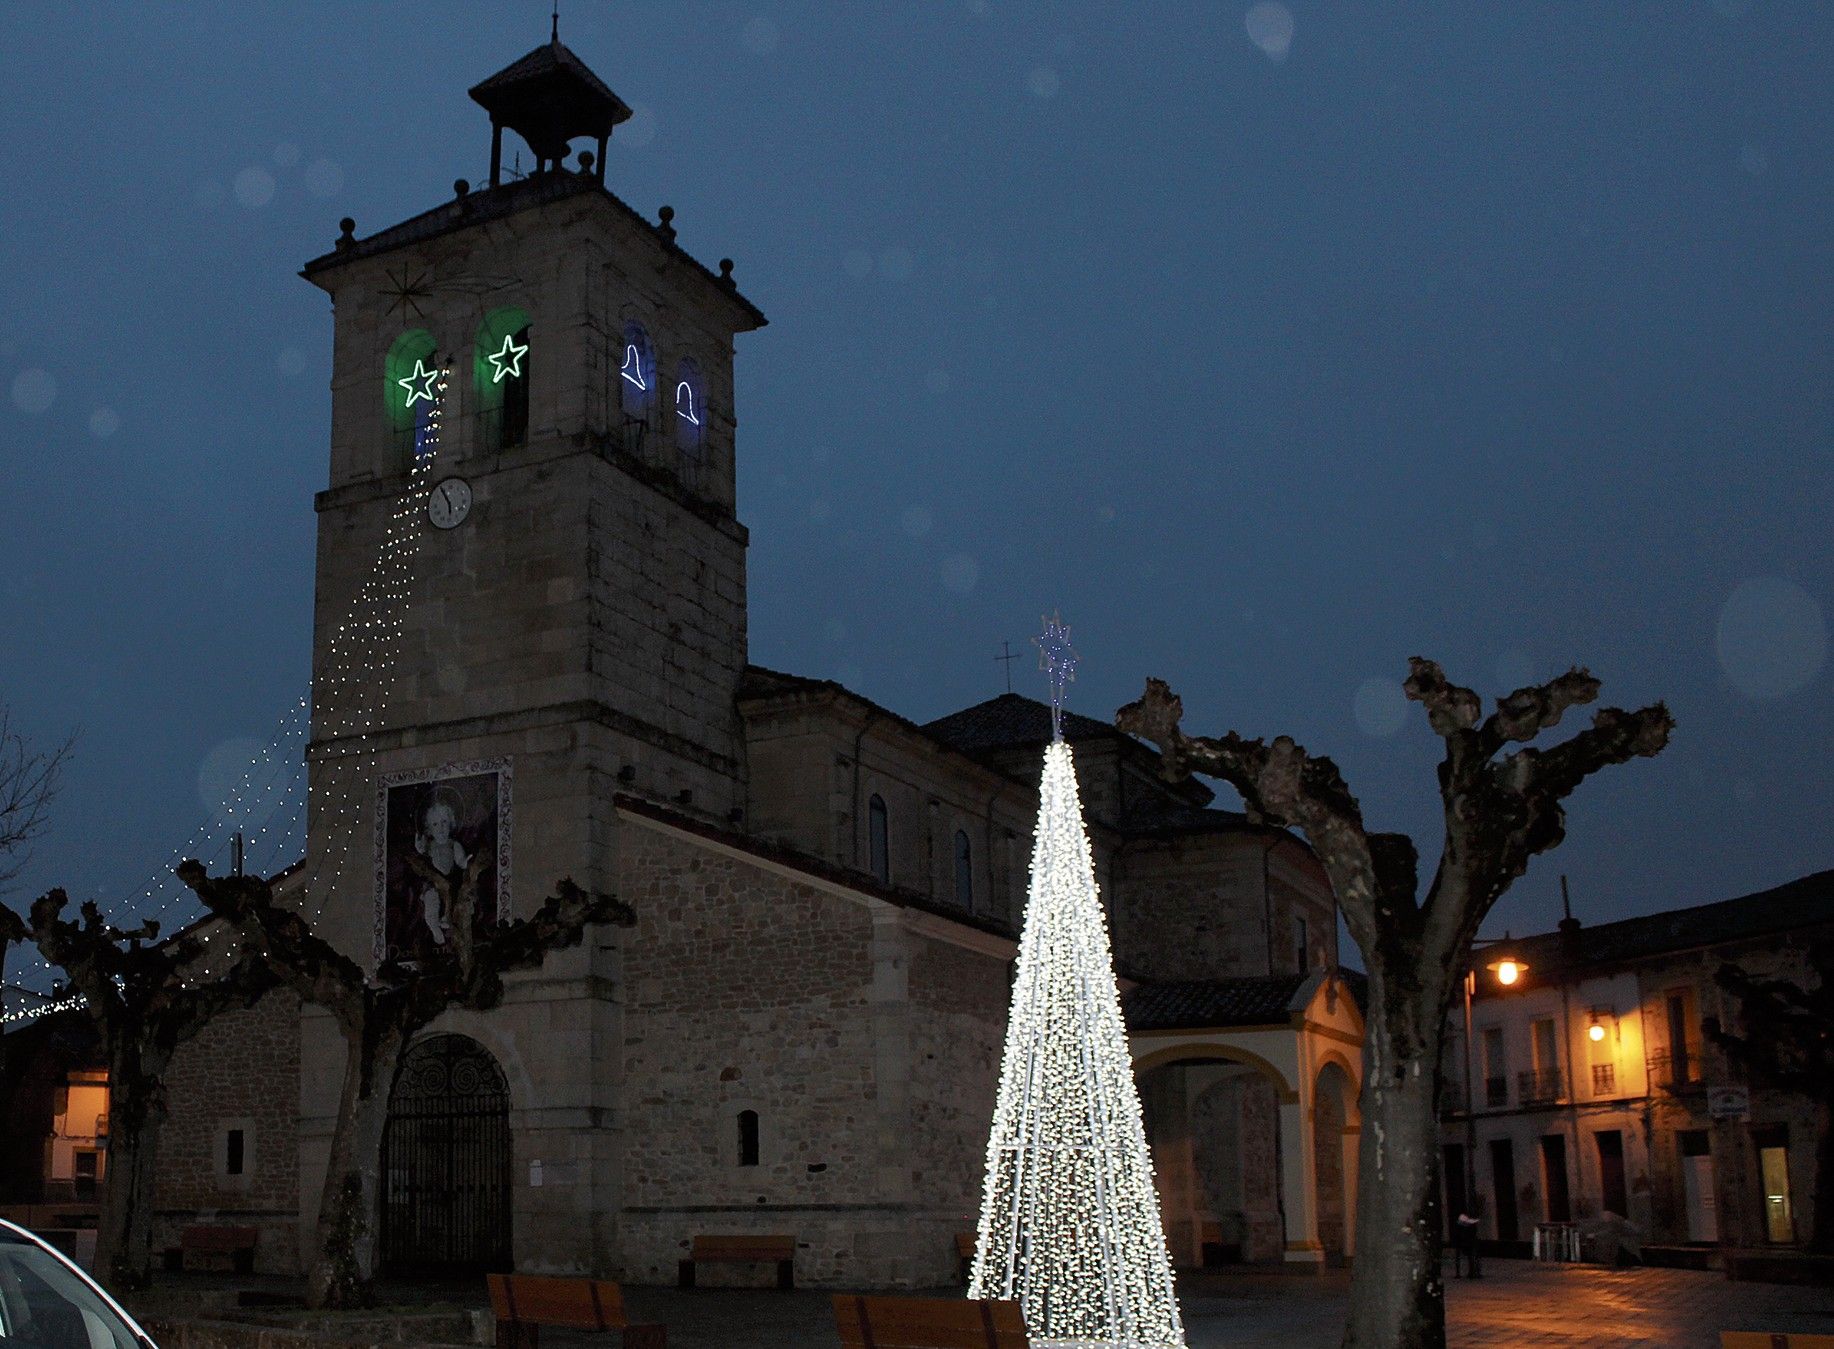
x,y
1697,1195
1503,1185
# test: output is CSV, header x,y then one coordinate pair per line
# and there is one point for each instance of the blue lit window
x,y
636,371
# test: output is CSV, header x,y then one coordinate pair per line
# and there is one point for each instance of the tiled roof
x,y
1800,903
1009,721
1260,1001
547,60
1158,816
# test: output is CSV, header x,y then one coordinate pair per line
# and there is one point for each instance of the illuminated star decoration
x,y
1057,659
405,294
509,360
420,384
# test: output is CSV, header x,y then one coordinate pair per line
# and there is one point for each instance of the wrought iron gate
x,y
445,1162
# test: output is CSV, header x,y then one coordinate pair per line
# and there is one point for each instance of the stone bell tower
x,y
532,426
583,613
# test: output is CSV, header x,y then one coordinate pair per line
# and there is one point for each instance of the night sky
x,y
1272,345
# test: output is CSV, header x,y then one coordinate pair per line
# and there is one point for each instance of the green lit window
x,y
500,373
407,394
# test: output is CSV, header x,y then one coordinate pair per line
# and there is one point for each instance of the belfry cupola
x,y
549,98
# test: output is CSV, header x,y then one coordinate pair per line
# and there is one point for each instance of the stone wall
x,y
959,1000
747,990
1190,908
240,1072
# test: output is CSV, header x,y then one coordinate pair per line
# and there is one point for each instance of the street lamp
x,y
1508,970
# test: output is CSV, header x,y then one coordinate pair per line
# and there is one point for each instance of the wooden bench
x,y
1763,1339
928,1323
524,1303
964,1252
218,1248
742,1250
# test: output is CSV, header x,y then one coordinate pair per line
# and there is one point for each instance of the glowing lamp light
x,y
1508,971
1596,1032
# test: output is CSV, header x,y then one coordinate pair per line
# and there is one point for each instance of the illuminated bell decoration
x,y
684,403
633,367
1070,1222
420,384
508,361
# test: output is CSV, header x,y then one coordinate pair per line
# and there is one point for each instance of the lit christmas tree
x,y
1070,1221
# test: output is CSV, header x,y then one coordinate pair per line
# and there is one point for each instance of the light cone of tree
x,y
1070,1221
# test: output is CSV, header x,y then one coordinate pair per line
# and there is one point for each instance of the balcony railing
x,y
1496,1091
1604,1079
1674,1072
1540,1087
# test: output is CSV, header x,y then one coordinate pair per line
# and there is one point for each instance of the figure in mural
x,y
448,856
450,817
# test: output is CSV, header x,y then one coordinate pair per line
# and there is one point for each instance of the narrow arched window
x,y
500,371
636,376
748,1138
964,871
879,840
412,385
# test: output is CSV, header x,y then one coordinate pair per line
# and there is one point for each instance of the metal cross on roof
x,y
1058,660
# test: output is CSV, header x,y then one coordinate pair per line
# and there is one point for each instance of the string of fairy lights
x,y
1070,1223
279,798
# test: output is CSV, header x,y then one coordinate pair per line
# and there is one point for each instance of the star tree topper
x,y
1056,658
508,362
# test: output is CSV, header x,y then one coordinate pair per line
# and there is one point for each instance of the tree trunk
x,y
1397,1298
344,1260
124,1228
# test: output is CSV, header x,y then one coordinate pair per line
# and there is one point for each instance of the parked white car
x,y
47,1302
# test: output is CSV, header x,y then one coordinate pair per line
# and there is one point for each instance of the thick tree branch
x,y
1282,785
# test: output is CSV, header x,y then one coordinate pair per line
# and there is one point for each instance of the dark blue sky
x,y
1493,333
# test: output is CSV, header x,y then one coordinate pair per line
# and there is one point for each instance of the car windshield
x,y
44,1305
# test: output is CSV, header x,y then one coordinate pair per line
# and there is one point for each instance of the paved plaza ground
x,y
1515,1304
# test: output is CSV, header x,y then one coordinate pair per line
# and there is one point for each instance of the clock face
x,y
449,503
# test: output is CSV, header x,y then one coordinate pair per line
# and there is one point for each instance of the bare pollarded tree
x,y
29,779
379,1016
146,998
1502,806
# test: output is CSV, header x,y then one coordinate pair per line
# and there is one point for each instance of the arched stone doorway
x,y
446,1162
1213,1123
1333,1159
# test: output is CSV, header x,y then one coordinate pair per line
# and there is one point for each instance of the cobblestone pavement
x,y
1515,1304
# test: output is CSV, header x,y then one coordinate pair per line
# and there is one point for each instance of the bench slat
x,y
745,1247
927,1323
551,1300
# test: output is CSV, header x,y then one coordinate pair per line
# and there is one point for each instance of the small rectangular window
x,y
1302,949
748,1138
235,1152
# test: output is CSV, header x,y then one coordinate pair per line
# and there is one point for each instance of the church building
x,y
543,653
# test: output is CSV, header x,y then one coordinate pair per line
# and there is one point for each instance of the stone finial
x,y
460,188
667,227
585,163
348,237
726,272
